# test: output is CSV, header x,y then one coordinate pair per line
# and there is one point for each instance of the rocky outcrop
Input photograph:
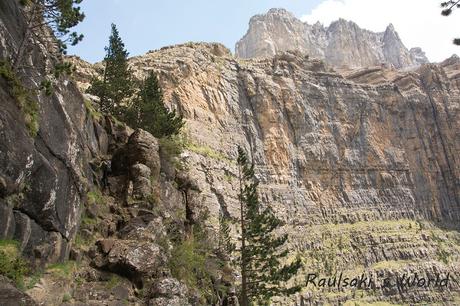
x,y
45,176
11,296
418,56
168,292
343,43
142,148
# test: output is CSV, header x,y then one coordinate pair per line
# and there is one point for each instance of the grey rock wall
x,y
45,177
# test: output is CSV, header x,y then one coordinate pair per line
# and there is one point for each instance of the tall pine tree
x,y
117,82
148,111
262,261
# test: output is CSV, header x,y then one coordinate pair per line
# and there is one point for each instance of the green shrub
x,y
28,106
228,176
191,263
81,241
172,146
12,265
33,279
188,262
66,298
92,110
85,220
442,254
113,281
206,151
95,197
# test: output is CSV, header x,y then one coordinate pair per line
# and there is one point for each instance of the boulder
x,y
12,296
143,148
168,291
140,175
135,260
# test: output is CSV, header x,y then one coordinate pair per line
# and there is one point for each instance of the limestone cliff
x,y
342,43
358,163
362,164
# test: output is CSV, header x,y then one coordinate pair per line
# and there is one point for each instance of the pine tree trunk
x,y
244,289
103,107
22,47
20,54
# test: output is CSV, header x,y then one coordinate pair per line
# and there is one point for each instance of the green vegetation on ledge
x,y
23,97
12,265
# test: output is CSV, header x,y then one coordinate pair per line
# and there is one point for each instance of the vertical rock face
x,y
418,56
376,140
394,50
44,175
350,162
343,43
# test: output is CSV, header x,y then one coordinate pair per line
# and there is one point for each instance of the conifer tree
x,y
448,6
225,246
262,259
117,82
40,15
149,112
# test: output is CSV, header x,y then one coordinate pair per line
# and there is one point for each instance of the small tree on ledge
x,y
148,111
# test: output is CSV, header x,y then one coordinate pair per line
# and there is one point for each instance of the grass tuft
x,y
23,96
65,269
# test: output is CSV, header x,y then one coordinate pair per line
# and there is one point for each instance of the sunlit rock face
x,y
362,138
350,160
342,43
355,156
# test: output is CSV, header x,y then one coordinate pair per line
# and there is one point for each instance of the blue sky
x,y
151,24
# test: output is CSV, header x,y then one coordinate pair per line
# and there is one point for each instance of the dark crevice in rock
x,y
447,174
220,199
249,135
31,217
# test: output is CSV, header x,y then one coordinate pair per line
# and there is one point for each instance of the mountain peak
x,y
342,43
279,11
390,27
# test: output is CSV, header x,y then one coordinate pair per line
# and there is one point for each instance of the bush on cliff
x,y
23,97
12,265
148,111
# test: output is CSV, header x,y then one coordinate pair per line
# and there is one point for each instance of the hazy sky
x,y
151,24
418,22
